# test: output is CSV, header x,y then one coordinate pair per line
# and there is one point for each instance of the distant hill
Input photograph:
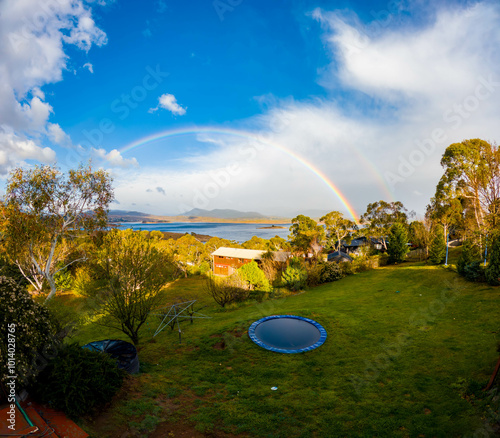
x,y
127,213
223,214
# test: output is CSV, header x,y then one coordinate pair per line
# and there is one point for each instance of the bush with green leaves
x,y
295,275
226,290
474,271
28,322
332,271
78,381
468,255
254,277
492,272
437,251
398,243
64,280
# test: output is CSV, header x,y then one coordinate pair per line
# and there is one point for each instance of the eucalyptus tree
x,y
337,227
43,214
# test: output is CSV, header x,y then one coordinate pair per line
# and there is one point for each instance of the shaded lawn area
x,y
402,344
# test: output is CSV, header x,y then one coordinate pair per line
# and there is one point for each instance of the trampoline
x,y
287,334
123,352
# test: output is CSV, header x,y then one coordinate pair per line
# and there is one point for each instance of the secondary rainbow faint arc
x,y
248,136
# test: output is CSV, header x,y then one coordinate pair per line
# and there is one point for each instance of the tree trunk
x,y
53,289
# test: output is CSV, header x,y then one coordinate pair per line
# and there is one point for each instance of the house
x,y
339,257
354,247
225,261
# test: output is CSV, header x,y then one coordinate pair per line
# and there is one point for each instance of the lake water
x,y
230,231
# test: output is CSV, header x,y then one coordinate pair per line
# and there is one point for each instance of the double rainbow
x,y
256,139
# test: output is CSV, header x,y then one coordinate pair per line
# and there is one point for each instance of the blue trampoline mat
x,y
287,333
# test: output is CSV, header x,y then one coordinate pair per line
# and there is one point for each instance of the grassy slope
x,y
388,368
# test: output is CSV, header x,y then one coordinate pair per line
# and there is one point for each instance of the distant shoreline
x,y
201,220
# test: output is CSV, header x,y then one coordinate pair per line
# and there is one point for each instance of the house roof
x,y
250,254
339,256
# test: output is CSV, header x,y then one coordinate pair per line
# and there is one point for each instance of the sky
x,y
282,107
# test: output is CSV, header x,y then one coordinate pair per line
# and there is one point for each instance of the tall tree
x,y
135,270
472,172
45,211
306,235
398,243
437,251
337,228
380,216
493,270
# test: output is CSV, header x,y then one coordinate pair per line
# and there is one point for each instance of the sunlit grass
x,y
399,340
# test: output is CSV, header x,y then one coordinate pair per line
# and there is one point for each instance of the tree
x,y
472,172
306,235
419,235
277,243
255,243
45,211
188,252
380,216
445,208
398,243
468,255
437,251
254,277
492,272
135,270
337,227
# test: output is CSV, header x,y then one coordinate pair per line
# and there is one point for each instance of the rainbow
x,y
254,138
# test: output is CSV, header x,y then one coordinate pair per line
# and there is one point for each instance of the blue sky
x,y
296,97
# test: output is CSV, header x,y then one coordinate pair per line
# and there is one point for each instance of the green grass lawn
x,y
404,344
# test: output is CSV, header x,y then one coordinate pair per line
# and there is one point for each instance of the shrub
x,y
468,255
492,272
314,272
254,277
225,291
30,323
294,278
78,381
361,264
437,252
64,280
474,271
398,240
331,272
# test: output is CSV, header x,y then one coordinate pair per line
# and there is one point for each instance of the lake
x,y
231,231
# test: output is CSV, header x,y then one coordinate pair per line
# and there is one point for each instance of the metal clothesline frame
x,y
174,314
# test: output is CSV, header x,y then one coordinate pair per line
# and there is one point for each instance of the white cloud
x,y
402,98
89,66
115,158
169,102
33,36
14,149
